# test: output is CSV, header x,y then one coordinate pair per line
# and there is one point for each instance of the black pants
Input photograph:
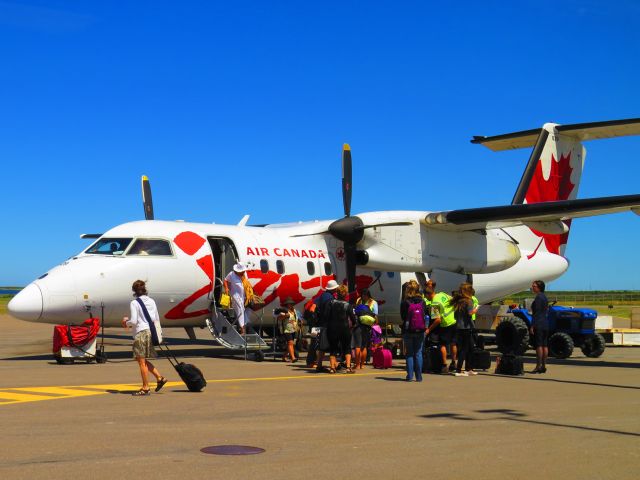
x,y
465,345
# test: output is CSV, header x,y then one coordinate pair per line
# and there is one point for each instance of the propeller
x,y
350,229
147,201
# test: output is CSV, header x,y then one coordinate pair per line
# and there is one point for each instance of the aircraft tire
x,y
560,345
594,346
512,336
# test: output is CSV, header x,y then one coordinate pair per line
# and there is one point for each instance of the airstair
x,y
222,327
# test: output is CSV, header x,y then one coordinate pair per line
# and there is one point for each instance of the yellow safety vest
x,y
447,316
475,305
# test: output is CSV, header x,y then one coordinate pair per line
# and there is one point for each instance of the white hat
x,y
239,267
332,285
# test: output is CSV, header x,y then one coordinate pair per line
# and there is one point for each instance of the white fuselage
x,y
185,281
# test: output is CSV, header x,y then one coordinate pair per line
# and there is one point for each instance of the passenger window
x,y
327,268
311,268
147,246
109,246
280,266
264,266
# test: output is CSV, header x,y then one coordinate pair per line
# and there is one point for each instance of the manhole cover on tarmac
x,y
231,450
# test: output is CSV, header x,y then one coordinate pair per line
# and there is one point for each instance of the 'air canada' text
x,y
284,252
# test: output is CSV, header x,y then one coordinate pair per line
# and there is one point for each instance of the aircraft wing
x,y
546,216
580,131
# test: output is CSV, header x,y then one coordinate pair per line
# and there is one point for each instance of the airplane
x,y
499,249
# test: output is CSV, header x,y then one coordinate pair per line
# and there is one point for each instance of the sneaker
x,y
471,372
452,367
460,374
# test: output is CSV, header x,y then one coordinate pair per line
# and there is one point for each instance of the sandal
x,y
332,370
161,383
141,393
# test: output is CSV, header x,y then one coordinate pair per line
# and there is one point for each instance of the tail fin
x,y
554,168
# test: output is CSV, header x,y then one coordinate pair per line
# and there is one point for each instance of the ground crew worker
x,y
445,328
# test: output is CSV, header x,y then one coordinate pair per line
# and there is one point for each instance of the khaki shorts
x,y
142,346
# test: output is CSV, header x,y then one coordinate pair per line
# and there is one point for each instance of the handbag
x,y
225,300
156,329
256,302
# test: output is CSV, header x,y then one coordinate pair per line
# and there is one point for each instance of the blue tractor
x,y
568,328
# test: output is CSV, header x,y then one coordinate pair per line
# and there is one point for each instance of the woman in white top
x,y
142,344
234,287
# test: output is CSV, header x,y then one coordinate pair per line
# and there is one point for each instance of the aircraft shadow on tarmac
x,y
538,378
516,416
580,362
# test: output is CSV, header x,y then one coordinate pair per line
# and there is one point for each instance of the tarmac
x,y
580,420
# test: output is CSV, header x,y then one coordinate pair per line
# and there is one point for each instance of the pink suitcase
x,y
382,358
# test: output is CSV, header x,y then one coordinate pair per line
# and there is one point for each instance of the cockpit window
x,y
109,246
147,246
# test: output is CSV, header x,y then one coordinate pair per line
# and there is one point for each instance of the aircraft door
x,y
224,257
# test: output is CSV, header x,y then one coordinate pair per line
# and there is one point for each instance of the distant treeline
x,y
598,296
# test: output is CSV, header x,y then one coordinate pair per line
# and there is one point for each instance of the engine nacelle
x,y
470,251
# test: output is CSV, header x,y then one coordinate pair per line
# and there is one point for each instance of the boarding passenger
x,y
322,313
341,321
413,311
445,327
367,317
462,303
540,327
291,326
142,309
234,286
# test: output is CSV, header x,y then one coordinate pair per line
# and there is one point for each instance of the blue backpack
x,y
415,317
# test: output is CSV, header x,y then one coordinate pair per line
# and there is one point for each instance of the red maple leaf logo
x,y
557,187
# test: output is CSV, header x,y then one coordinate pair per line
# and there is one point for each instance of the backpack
x,y
365,315
376,335
415,317
338,311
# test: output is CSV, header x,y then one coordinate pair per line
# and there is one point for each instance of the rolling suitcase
x,y
509,364
190,374
432,360
382,358
480,359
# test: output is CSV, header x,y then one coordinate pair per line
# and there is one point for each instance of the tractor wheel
x,y
594,346
512,336
560,345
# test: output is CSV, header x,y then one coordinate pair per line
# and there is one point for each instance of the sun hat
x,y
239,268
332,285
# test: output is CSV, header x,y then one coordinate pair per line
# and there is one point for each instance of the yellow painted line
x,y
67,392
24,397
314,376
56,393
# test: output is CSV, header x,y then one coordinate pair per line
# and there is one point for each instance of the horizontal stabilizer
x,y
578,131
522,214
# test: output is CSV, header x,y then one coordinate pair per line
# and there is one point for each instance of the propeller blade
x,y
346,179
350,260
147,202
324,232
390,224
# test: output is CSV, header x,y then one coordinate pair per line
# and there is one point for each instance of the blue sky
x,y
216,99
